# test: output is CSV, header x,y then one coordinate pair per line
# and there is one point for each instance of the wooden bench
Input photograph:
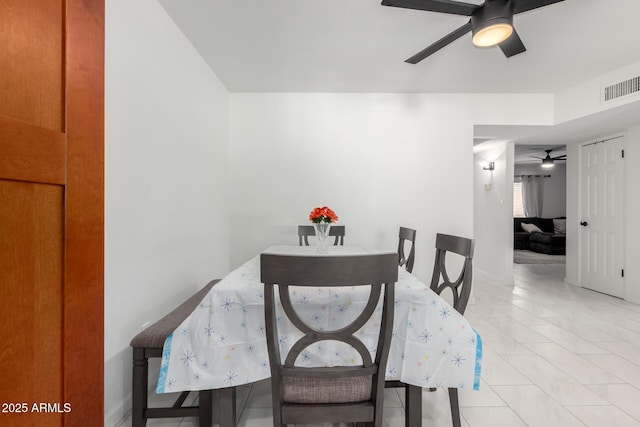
x,y
148,344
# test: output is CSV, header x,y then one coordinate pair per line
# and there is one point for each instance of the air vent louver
x,y
618,90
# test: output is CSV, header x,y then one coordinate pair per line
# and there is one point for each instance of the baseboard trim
x,y
570,281
117,416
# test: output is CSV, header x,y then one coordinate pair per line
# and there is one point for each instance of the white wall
x,y
584,98
379,160
493,213
554,201
166,180
632,214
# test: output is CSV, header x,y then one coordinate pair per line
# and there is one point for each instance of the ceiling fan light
x,y
493,34
547,163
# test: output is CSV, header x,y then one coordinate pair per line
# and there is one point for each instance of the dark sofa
x,y
547,242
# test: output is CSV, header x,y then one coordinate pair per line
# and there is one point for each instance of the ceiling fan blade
x,y
513,45
449,38
443,6
536,157
520,6
563,157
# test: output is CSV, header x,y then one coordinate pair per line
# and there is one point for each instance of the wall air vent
x,y
618,90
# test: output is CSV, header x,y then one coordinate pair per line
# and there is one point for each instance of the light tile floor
x,y
553,355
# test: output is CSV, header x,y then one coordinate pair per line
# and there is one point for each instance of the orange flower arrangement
x,y
323,214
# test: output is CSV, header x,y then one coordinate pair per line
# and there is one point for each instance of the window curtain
x,y
532,191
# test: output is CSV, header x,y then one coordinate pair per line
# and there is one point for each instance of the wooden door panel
x,y
30,153
51,210
31,234
31,60
32,167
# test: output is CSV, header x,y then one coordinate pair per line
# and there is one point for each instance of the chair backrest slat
x,y
336,231
404,235
304,231
440,280
327,270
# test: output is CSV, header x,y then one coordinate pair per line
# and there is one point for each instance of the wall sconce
x,y
489,167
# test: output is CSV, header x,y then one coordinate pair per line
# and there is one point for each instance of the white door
x,y
601,231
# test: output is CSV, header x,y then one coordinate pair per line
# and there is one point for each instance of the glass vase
x,y
322,237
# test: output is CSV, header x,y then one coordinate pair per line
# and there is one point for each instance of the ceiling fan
x,y
547,162
491,22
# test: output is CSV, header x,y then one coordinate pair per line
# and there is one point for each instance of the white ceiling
x,y
360,46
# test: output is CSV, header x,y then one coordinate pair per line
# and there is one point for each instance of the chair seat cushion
x,y
326,390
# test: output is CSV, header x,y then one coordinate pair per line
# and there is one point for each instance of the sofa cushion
x,y
521,240
559,226
548,243
530,228
517,223
546,225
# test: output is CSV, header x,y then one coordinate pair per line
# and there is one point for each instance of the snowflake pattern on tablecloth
x,y
445,312
231,378
229,347
458,360
187,357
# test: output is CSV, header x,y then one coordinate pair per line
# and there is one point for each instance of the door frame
x,y
84,218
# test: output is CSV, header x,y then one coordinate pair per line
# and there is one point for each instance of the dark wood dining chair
x,y
304,231
413,394
460,288
406,235
338,393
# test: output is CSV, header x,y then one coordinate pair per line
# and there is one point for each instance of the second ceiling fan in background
x,y
547,162
491,22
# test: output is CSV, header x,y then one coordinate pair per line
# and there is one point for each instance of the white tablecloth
x,y
222,343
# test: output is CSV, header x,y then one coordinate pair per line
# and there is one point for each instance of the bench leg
x,y
227,407
413,398
455,407
205,408
140,386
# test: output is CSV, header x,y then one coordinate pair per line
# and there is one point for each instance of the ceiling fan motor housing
x,y
491,22
492,12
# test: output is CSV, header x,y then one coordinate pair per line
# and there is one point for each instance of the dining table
x,y
222,344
